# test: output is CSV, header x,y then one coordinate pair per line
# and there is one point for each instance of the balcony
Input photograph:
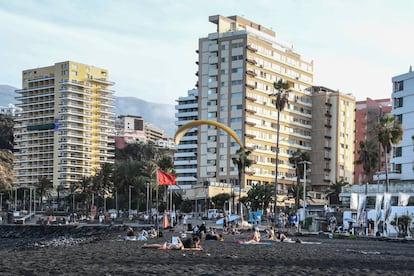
x,y
251,86
249,47
326,169
250,98
327,158
251,111
328,114
328,125
250,123
103,81
251,61
248,135
251,73
328,104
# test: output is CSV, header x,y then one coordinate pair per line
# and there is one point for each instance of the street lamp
x,y
304,186
129,202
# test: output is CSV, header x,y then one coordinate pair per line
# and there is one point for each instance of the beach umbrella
x,y
165,222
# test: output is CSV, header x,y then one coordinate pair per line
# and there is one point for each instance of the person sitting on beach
x,y
153,233
271,233
255,237
202,230
130,232
192,244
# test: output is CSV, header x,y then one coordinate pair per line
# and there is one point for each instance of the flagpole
x,y
157,193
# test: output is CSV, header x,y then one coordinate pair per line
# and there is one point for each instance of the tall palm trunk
x,y
277,158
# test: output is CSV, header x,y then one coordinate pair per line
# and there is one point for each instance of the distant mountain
x,y
159,115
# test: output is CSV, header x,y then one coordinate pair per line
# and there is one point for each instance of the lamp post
x,y
129,202
147,196
1,202
304,187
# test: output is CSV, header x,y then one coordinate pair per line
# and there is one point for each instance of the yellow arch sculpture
x,y
183,129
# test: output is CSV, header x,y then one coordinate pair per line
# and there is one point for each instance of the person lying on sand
x,y
280,237
177,244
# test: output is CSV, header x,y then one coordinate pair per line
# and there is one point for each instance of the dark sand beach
x,y
103,252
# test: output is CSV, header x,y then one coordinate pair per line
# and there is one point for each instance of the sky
x,y
148,46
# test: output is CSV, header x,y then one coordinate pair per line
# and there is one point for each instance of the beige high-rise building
x,y
333,135
237,67
66,128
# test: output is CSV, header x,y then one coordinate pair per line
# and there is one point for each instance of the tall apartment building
x,y
66,127
402,161
237,66
367,114
333,136
185,157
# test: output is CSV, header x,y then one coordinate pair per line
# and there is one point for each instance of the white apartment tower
x,y
185,157
402,160
66,126
237,66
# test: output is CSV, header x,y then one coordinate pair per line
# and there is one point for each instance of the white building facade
x,y
185,157
402,161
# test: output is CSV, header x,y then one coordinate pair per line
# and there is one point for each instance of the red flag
x,y
165,178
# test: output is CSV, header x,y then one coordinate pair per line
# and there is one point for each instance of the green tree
x,y
368,157
6,132
335,189
44,188
297,159
260,197
281,99
102,181
389,132
402,224
220,199
296,192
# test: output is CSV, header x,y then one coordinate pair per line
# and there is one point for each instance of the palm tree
x,y
389,133
368,157
102,182
296,192
334,190
242,161
297,159
281,94
45,185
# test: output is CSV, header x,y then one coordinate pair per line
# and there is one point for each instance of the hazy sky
x,y
149,46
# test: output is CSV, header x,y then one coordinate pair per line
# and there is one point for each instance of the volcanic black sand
x,y
60,250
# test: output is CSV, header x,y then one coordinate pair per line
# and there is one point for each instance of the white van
x,y
212,213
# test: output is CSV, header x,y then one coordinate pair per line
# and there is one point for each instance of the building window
x,y
398,86
212,91
398,118
398,102
397,152
212,115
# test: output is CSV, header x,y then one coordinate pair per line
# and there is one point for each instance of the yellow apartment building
x,y
66,128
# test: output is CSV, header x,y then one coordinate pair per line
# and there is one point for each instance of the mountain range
x,y
159,115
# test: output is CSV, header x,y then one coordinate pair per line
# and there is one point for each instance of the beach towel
x,y
253,243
